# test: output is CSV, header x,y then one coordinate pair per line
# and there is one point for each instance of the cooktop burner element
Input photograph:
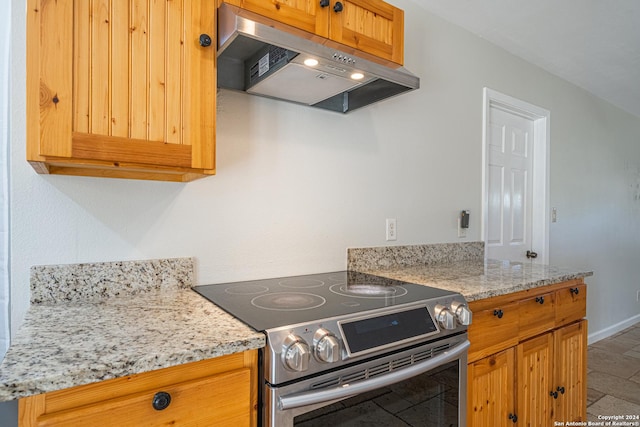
x,y
271,303
288,301
368,290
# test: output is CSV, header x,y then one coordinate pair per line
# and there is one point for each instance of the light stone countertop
x,y
479,279
457,267
159,323
91,322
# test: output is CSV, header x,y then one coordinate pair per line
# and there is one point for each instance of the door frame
x,y
541,154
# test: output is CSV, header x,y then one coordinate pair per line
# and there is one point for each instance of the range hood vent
x,y
262,60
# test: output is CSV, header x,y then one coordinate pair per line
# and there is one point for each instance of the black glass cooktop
x,y
271,303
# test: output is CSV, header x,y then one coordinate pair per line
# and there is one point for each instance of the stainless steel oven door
x,y
423,385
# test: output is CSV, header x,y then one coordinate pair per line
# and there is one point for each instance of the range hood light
x,y
310,62
357,76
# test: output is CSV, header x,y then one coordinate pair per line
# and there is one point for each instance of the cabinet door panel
x,y
571,372
128,71
199,89
49,68
490,394
372,26
537,315
306,15
534,379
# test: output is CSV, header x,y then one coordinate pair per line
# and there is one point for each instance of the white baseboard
x,y
613,329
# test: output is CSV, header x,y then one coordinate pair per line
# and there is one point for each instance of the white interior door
x,y
515,179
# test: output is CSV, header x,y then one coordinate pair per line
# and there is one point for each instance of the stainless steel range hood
x,y
260,59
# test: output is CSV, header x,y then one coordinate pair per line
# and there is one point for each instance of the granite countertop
x,y
479,279
91,322
88,323
458,267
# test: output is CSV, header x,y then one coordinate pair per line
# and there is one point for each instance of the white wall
x,y
296,186
5,30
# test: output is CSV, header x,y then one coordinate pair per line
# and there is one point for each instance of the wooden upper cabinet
x,y
372,27
121,88
306,15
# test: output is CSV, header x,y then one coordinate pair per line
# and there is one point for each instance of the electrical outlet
x,y
462,232
392,231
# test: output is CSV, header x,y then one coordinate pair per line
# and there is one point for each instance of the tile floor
x,y
613,375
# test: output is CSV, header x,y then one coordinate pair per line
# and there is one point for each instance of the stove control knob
x,y
326,346
462,312
445,317
295,353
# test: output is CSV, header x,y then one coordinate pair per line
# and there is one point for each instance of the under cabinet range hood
x,y
288,64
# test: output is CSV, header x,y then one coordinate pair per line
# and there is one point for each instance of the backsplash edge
x,y
102,280
374,258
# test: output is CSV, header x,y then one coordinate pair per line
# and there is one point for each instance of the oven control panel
x,y
313,347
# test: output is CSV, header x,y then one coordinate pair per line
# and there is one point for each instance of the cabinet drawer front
x,y
571,304
537,315
493,330
221,400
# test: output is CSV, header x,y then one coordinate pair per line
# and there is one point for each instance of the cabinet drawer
x,y
571,304
493,330
221,400
537,315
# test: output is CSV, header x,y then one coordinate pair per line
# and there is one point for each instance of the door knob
x,y
531,254
338,7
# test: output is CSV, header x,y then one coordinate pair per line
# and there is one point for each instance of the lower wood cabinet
x,y
542,377
220,392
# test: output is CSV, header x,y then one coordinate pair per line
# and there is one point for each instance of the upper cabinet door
x,y
307,15
371,26
125,85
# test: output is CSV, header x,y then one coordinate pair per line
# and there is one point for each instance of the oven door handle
x,y
346,390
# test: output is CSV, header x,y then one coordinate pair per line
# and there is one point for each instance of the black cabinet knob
x,y
338,7
561,390
324,3
540,300
498,313
554,394
205,40
161,400
513,417
575,291
531,254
